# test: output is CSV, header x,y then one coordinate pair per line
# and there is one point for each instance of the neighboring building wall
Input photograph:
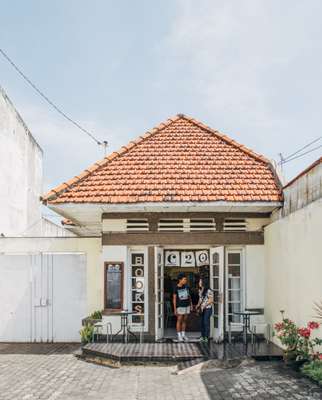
x,y
20,172
303,190
50,229
293,264
46,228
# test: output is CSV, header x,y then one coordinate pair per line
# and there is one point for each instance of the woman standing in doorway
x,y
182,306
204,306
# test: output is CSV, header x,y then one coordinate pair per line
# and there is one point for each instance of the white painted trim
x,y
170,206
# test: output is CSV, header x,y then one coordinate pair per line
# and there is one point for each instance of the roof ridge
x,y
115,154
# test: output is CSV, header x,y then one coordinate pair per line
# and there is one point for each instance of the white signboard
x,y
202,258
188,259
172,258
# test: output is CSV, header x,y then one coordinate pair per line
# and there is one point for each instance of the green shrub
x,y
87,333
96,315
313,370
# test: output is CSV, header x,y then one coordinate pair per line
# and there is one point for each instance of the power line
x,y
302,148
59,110
301,155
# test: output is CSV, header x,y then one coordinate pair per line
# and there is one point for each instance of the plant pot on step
x,y
289,357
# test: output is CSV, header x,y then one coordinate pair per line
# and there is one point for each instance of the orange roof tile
x,y
179,160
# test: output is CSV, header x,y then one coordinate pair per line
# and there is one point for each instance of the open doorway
x,y
170,281
168,264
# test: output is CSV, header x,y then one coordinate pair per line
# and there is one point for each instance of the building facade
x,y
183,197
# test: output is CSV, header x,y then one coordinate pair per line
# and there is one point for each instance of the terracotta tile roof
x,y
179,160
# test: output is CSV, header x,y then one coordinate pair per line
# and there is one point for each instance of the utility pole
x,y
105,144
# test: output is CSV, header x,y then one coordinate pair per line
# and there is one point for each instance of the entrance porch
x,y
178,352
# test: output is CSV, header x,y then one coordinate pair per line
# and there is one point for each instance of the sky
x,y
251,69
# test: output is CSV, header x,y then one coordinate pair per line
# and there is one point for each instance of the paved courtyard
x,y
52,372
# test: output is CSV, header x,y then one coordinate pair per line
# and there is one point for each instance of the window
x,y
113,298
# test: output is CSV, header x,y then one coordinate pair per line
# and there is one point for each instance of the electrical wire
x,y
58,109
302,148
301,155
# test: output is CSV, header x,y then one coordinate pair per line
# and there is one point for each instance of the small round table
x,y
125,329
246,321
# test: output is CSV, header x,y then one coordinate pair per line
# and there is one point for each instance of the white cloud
x,y
253,64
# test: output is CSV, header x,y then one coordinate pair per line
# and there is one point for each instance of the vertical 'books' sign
x,y
138,286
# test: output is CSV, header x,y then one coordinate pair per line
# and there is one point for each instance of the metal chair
x,y
98,330
141,325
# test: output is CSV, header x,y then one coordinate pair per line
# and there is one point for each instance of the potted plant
x,y
96,316
87,333
306,344
298,342
287,333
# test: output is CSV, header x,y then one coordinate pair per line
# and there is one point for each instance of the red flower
x,y
320,356
313,325
279,326
304,332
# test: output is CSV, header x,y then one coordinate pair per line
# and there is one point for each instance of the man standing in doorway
x,y
182,306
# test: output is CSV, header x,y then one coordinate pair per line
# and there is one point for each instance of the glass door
x,y
234,287
159,293
217,285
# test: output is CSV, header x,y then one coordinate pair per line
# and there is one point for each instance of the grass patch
x,y
313,370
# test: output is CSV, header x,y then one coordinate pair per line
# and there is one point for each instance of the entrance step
x,y
147,352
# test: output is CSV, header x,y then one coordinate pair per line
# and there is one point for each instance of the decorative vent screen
x,y
134,225
234,224
187,225
207,225
174,225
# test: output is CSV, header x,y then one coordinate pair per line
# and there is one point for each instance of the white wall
x,y
294,264
91,247
255,283
20,172
255,276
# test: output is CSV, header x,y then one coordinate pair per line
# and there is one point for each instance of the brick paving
x,y
259,380
52,372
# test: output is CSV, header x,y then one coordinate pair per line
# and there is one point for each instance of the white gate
x,y
42,297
